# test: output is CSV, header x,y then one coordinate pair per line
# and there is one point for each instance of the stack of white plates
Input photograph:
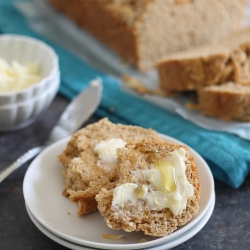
x,y
56,216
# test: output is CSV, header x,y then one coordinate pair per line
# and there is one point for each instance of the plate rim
x,y
171,244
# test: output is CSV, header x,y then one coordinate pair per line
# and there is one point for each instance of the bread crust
x,y
143,31
229,101
213,64
139,217
194,73
84,174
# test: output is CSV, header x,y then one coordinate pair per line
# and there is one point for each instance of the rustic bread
x,y
229,101
143,31
211,64
139,216
208,69
85,174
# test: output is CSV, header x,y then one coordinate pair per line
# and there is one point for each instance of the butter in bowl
x,y
29,80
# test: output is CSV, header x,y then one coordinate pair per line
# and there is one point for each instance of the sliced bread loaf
x,y
143,31
208,70
90,160
211,64
158,189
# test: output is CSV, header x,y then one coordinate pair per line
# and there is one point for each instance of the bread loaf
x,y
86,169
143,31
147,198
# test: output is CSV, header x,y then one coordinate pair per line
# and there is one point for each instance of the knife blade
x,y
76,113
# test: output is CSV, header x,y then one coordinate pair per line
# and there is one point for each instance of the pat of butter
x,y
167,186
106,149
125,193
16,76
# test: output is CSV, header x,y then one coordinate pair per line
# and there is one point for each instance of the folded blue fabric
x,y
227,155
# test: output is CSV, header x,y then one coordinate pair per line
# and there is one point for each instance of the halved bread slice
x,y
158,189
85,172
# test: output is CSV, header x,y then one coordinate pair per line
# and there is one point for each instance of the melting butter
x,y
106,149
112,236
167,186
168,174
141,191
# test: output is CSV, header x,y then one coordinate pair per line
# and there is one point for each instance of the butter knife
x,y
76,113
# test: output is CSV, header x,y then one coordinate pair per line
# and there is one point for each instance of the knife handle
x,y
20,161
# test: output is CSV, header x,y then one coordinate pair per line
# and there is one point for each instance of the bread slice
x,y
143,31
229,101
212,64
85,173
130,210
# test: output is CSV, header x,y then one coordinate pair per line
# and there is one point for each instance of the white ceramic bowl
x,y
19,115
19,108
26,49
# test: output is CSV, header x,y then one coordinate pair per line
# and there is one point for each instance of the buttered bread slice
x,y
158,189
90,160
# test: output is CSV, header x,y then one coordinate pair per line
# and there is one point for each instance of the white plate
x,y
43,186
168,245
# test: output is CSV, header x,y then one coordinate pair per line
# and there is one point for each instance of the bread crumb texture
x,y
139,216
84,173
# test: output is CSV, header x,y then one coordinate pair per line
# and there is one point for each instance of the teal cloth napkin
x,y
227,155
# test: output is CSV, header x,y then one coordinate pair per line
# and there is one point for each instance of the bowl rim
x,y
45,46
